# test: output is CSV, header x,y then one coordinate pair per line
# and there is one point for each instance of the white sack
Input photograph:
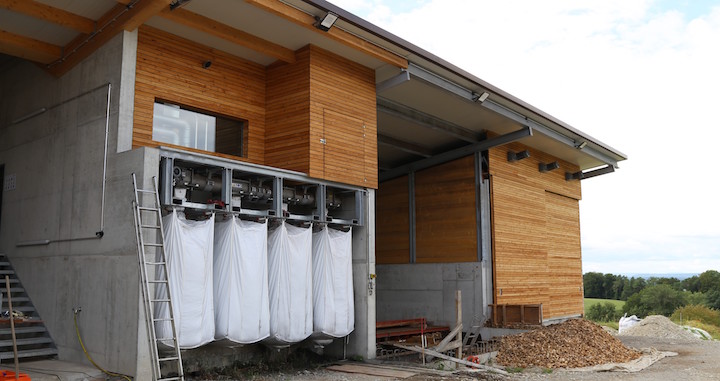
x,y
189,250
333,305
290,274
627,322
242,311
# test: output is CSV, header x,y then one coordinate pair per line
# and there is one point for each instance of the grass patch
x,y
514,369
612,324
588,302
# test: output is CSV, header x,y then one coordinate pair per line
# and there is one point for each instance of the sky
x,y
642,76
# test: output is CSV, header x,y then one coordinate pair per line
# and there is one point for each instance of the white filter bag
x,y
290,272
333,304
189,251
242,311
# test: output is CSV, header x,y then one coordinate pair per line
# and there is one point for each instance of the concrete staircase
x,y
33,339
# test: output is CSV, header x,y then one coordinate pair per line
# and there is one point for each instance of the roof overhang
x,y
426,106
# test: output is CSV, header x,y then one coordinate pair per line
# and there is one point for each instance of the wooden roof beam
x,y
348,39
50,14
28,48
119,18
226,32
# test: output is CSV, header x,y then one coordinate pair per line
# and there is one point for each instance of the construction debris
x,y
659,326
450,358
572,344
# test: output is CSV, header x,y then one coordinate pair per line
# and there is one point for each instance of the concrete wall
x,y
410,291
57,158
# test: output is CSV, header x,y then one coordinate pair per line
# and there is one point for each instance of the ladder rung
x,y
165,339
145,191
147,208
154,263
153,244
157,281
163,319
160,300
168,359
170,379
150,226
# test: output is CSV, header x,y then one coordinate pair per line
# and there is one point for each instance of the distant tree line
x,y
656,295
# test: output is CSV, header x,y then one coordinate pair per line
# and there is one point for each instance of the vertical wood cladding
x,y
445,210
536,233
392,234
445,216
287,138
323,97
170,68
564,257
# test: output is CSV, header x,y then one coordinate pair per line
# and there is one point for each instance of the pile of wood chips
x,y
575,343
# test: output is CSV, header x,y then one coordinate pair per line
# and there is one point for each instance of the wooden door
x,y
344,148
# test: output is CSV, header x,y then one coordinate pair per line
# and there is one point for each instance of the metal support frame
x,y
277,196
389,83
321,201
456,154
411,211
226,193
166,177
420,118
478,204
580,175
278,176
404,146
360,205
465,93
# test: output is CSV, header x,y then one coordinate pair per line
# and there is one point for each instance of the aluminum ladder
x,y
167,365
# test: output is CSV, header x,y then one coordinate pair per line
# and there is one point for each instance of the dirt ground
x,y
696,360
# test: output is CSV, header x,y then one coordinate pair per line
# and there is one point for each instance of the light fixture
x,y
177,4
480,97
206,64
543,167
581,145
515,156
326,22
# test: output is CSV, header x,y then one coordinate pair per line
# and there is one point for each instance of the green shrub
x,y
697,313
603,312
659,299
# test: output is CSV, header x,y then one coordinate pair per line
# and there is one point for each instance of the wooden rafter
x,y
116,20
50,14
226,32
28,48
303,19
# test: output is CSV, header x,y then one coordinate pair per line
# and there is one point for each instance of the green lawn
x,y
619,304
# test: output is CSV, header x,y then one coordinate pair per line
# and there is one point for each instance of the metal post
x,y
411,220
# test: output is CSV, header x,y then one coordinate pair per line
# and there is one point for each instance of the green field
x,y
619,304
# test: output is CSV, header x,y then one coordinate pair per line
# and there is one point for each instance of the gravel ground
x,y
696,360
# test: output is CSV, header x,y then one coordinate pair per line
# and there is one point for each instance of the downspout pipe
x,y
101,232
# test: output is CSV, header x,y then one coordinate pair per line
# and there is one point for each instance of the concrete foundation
x,y
409,291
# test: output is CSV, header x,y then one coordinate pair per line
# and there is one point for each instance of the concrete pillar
x,y
361,343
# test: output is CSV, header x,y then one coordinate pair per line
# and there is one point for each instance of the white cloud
x,y
638,76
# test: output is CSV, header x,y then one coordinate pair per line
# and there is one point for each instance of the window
x,y
192,128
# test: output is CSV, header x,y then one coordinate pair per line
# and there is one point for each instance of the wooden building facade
x,y
455,183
